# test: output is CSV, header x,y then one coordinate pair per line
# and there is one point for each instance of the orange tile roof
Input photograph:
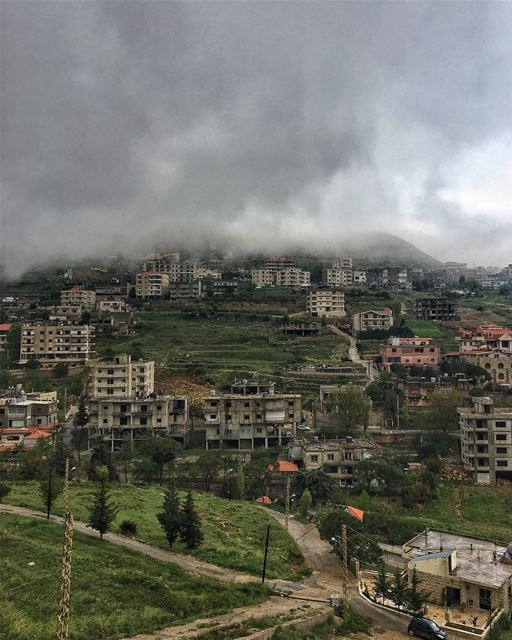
x,y
284,466
5,327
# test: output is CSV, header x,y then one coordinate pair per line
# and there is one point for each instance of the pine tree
x,y
398,590
103,512
170,517
59,456
381,586
415,597
50,487
305,503
80,420
190,530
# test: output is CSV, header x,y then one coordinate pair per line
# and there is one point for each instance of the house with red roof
x,y
4,331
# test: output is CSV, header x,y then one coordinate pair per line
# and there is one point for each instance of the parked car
x,y
303,427
426,628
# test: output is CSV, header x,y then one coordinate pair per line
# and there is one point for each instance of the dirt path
x,y
353,353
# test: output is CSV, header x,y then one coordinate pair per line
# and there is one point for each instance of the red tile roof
x,y
5,327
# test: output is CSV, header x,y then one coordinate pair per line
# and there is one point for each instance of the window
x,y
105,421
330,456
213,416
501,463
246,417
501,449
123,408
348,455
500,425
247,404
314,458
501,436
143,420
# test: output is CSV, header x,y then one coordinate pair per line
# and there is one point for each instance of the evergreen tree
x,y
103,511
50,487
190,529
305,503
381,586
161,451
398,590
80,420
415,597
5,490
59,457
101,457
170,517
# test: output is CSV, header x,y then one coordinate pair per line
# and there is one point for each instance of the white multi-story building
x,y
121,377
359,277
486,441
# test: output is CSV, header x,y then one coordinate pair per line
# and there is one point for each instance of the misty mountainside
x,y
384,248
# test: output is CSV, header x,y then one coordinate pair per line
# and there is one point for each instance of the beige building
x,y
359,277
461,572
151,284
191,290
62,313
250,420
338,458
114,419
486,441
277,263
372,320
51,344
289,277
342,263
186,271
328,303
338,277
111,305
5,328
122,403
497,363
121,378
78,297
21,410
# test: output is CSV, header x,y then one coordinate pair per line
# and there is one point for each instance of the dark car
x,y
425,628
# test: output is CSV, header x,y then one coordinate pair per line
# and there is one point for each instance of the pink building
x,y
409,352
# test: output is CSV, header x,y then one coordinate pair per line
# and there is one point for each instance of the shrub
x,y
128,528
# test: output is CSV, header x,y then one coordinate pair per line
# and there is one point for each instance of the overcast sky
x,y
259,124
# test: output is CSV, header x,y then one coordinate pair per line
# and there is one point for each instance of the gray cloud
x,y
257,124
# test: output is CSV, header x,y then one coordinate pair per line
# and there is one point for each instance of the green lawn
x,y
426,329
220,346
115,592
484,511
234,531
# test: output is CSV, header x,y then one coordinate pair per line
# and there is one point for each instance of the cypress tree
x,y
103,511
170,517
190,529
50,487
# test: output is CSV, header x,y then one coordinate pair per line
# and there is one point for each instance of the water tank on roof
x,y
349,439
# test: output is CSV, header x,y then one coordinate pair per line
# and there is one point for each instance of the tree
x,y
161,451
103,512
60,370
32,364
398,589
50,488
125,456
381,584
361,543
190,529
442,413
350,407
319,483
305,503
170,516
208,466
80,420
5,490
415,597
60,455
101,459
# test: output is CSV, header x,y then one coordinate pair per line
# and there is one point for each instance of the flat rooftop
x,y
475,558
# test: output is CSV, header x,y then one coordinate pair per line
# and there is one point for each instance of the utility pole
x,y
65,584
397,411
287,514
265,556
344,560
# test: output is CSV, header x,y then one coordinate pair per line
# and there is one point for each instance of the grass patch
x,y
466,509
426,329
225,345
115,592
234,531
